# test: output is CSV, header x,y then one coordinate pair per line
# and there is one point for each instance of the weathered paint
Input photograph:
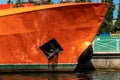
x,y
24,30
36,67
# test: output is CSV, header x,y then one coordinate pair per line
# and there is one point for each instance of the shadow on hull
x,y
84,61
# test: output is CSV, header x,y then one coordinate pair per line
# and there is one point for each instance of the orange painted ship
x,y
56,36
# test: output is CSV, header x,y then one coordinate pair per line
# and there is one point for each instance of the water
x,y
61,76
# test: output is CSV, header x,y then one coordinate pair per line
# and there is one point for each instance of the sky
x,y
57,1
5,1
116,8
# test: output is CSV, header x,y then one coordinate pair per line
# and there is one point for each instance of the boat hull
x,y
24,30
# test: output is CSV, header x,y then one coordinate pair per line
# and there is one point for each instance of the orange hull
x,y
24,30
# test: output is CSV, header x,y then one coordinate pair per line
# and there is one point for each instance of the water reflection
x,y
106,75
43,76
61,76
